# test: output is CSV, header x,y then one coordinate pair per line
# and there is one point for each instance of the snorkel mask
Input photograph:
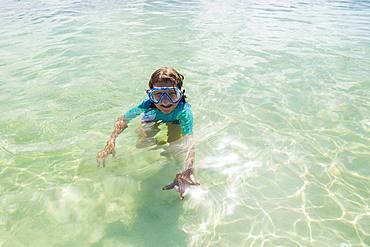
x,y
157,94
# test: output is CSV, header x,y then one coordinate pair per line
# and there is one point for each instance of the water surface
x,y
280,93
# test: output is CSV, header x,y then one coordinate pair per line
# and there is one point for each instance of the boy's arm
x,y
185,178
109,148
190,154
119,126
186,121
188,172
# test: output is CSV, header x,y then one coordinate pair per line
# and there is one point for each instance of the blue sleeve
x,y
137,110
186,120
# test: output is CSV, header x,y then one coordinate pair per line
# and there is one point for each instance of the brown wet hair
x,y
166,74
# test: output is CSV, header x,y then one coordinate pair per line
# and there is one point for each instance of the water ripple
x,y
280,93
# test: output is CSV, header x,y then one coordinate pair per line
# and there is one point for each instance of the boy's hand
x,y
188,175
182,182
103,154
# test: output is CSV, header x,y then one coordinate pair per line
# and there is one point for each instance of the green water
x,y
280,92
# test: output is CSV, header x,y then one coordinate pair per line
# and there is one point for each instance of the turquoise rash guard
x,y
181,114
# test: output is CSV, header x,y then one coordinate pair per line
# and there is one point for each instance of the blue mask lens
x,y
157,94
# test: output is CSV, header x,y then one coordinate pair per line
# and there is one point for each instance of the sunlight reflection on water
x,y
280,96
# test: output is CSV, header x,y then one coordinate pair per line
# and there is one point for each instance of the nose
x,y
166,100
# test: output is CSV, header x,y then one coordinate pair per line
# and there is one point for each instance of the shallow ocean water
x,y
280,92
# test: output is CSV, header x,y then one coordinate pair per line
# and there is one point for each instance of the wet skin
x,y
183,179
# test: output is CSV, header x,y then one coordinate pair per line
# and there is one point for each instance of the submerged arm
x,y
186,121
190,153
185,178
188,173
119,126
109,148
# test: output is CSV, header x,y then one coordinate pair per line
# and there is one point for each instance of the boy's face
x,y
165,106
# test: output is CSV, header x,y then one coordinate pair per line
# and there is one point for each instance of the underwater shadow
x,y
156,221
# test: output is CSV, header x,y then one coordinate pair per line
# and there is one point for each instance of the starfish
x,y
181,184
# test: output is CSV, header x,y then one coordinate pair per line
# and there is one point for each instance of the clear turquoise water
x,y
281,98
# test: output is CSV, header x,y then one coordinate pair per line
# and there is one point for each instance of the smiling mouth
x,y
166,106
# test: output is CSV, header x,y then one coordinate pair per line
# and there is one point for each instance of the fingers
x,y
194,182
181,183
100,162
190,179
189,176
103,154
100,158
187,172
181,196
